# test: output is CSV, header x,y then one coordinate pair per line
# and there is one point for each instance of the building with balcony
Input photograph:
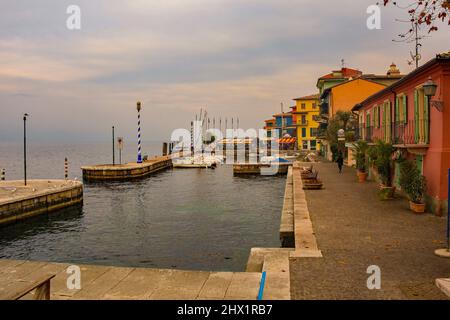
x,y
416,124
306,115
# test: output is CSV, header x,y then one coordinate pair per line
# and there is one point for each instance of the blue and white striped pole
x,y
139,155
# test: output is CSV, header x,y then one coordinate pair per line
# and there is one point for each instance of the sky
x,y
236,58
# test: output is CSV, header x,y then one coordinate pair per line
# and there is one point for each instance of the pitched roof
x,y
440,58
310,97
327,91
346,73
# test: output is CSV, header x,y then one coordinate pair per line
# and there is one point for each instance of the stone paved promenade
x,y
355,230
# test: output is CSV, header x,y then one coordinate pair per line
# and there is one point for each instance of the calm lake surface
x,y
185,219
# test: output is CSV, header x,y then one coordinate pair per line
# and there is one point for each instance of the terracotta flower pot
x,y
417,207
386,193
362,176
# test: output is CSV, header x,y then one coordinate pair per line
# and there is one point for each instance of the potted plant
x,y
360,155
413,184
383,165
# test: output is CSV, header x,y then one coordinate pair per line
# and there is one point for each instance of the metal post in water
x,y
25,148
3,174
192,138
66,169
139,155
257,150
113,147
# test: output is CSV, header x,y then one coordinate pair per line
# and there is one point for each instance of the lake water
x,y
186,219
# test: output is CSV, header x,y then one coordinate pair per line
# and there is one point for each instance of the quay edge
x,y
19,202
129,171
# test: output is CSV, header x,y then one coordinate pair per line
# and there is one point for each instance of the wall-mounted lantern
x,y
429,89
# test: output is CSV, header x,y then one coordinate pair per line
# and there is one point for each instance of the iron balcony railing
x,y
412,132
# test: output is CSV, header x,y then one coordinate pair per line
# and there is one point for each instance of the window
x,y
303,132
314,105
421,117
303,119
303,105
313,132
401,109
313,144
387,121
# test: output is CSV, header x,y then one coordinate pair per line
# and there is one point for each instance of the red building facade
x,y
417,125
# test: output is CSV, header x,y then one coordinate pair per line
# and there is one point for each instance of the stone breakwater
x,y
127,171
18,202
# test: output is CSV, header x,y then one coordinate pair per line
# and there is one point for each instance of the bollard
x,y
66,169
3,175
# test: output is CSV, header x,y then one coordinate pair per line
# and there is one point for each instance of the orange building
x,y
344,96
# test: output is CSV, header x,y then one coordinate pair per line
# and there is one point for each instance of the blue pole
x,y
139,156
261,286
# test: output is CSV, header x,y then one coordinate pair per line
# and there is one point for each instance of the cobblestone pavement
x,y
355,230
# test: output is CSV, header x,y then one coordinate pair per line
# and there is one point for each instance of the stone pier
x,y
18,202
127,171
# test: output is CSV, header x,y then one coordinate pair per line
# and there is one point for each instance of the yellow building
x,y
306,114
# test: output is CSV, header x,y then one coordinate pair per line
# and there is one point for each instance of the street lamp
x,y
429,89
139,155
25,148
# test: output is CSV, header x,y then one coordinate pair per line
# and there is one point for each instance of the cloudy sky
x,y
237,58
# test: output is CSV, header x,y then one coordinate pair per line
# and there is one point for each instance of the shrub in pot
x,y
413,183
383,164
360,156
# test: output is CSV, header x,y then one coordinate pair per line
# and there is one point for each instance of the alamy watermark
x,y
73,22
374,280
374,20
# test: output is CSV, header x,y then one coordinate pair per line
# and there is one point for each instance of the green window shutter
x,y
397,109
377,114
416,116
384,121
426,119
405,109
389,120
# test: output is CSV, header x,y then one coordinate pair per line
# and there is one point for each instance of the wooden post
x,y
66,169
3,174
257,150
247,151
164,149
235,150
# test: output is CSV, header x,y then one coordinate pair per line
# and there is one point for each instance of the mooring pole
x,y
113,145
3,174
25,148
66,169
139,155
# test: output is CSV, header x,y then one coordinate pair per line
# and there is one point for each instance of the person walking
x,y
340,161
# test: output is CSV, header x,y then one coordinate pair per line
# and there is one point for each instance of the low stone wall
x,y
125,172
46,201
287,237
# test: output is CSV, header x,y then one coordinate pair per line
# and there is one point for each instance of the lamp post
x,y
25,148
429,90
139,155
